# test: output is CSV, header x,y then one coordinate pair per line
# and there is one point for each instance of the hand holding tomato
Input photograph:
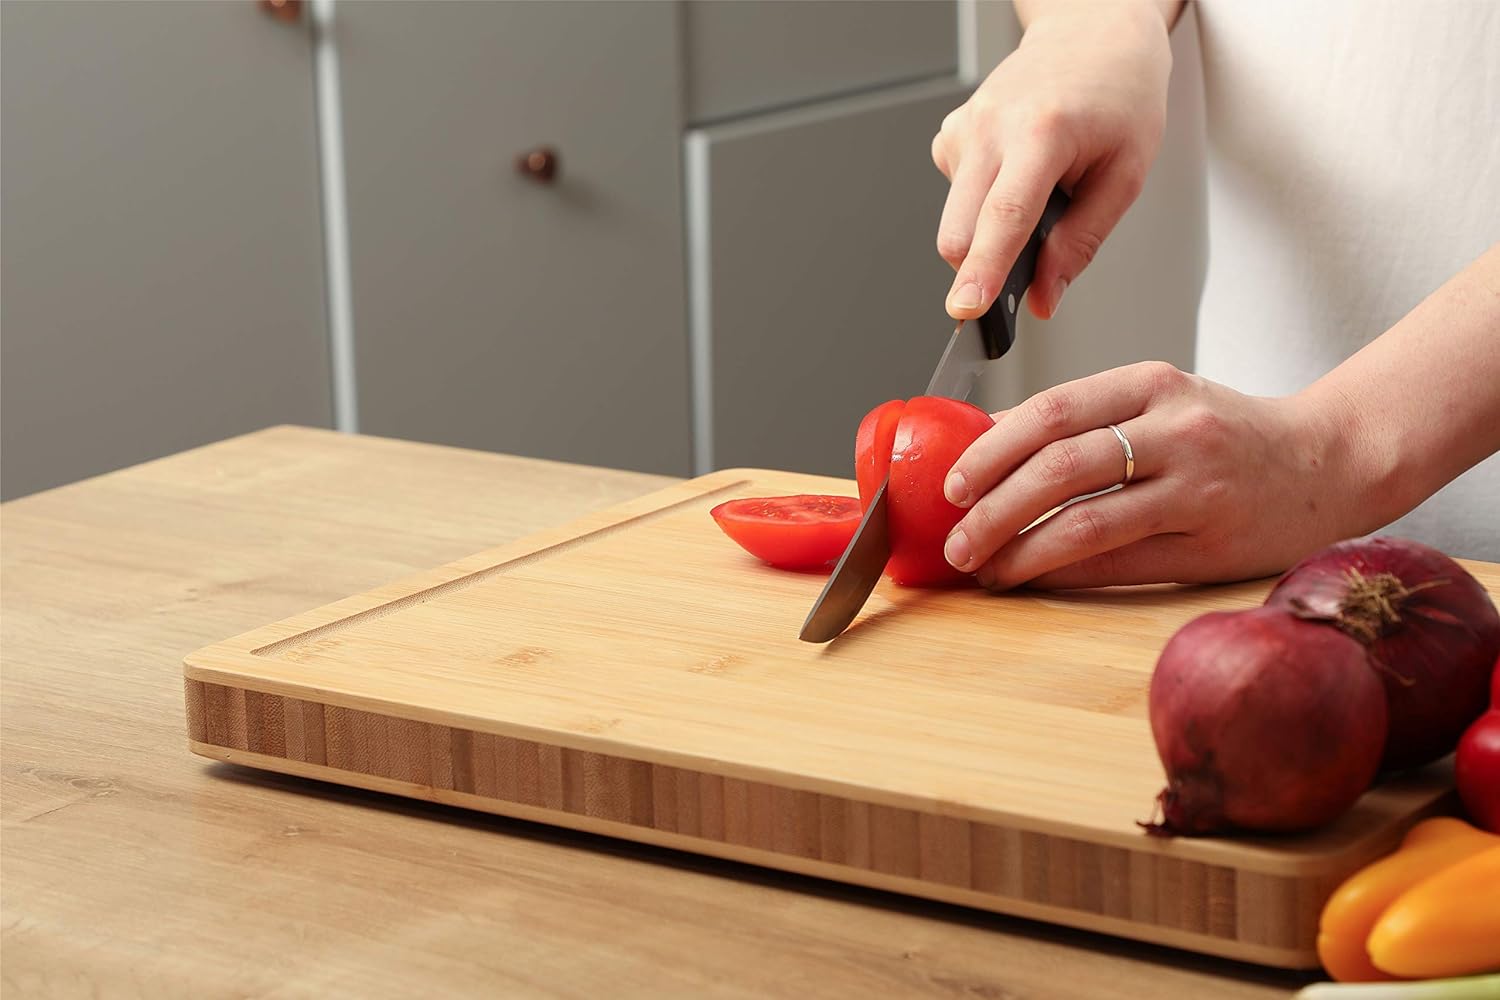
x,y
1226,486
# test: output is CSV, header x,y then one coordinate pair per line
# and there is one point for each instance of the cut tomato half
x,y
916,442
806,531
933,433
873,444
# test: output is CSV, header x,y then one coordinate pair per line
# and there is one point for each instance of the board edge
x,y
1298,959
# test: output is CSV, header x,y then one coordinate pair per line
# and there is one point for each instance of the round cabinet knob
x,y
282,10
539,164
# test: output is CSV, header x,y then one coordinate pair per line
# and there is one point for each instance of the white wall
x,y
1139,299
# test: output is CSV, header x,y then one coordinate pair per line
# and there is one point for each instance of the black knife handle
x,y
998,326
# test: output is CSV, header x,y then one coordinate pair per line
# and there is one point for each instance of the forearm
x,y
1028,10
1421,403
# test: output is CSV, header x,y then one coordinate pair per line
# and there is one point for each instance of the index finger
x,y
1009,213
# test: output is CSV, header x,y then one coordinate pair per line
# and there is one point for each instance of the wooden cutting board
x,y
636,674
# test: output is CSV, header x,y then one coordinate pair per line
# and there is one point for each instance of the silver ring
x,y
1129,455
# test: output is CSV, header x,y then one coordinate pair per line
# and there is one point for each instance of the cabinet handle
x,y
282,10
539,164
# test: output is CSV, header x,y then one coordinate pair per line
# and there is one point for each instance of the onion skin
x,y
1264,722
1433,646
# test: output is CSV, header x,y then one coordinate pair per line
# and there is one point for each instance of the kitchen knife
x,y
964,359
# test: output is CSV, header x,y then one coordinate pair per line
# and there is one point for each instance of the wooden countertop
x,y
130,867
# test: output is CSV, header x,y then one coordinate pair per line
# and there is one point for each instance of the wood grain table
x,y
130,867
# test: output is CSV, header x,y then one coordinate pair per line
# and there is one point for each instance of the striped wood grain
x,y
636,674
1215,909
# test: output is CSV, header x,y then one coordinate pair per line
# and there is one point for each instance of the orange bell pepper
x,y
1354,909
1446,925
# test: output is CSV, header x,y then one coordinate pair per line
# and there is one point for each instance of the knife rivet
x,y
1010,302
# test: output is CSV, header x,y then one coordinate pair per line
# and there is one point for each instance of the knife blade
x,y
969,351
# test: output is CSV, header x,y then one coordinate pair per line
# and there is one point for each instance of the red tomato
x,y
926,436
872,448
1477,765
807,531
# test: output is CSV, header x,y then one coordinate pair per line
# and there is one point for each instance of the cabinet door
x,y
491,310
163,275
749,55
822,291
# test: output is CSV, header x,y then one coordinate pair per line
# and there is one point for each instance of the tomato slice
x,y
872,448
806,531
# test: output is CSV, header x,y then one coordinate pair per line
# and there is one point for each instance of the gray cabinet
x,y
490,310
167,275
745,56
163,271
821,289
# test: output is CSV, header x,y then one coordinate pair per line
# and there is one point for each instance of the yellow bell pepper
x,y
1354,909
1446,925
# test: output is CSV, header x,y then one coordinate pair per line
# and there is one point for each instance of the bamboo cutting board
x,y
636,674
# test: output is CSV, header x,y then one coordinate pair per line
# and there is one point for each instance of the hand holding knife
x,y
968,352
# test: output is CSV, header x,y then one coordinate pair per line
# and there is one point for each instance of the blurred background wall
x,y
661,235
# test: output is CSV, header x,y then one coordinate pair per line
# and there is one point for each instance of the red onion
x,y
1431,631
1263,721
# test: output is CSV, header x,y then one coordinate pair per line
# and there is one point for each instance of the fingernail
x,y
956,489
957,551
967,296
1058,287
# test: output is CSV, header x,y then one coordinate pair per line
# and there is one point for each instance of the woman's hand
x,y
1226,486
1082,101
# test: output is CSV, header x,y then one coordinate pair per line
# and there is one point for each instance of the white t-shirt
x,y
1353,167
